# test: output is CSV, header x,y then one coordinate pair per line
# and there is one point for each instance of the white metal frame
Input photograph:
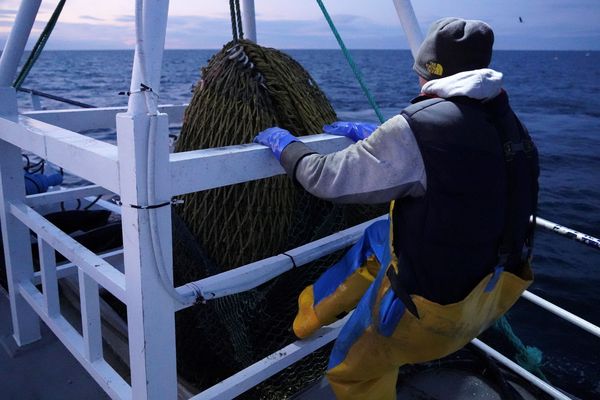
x,y
123,170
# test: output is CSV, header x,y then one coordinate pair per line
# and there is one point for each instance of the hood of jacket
x,y
480,84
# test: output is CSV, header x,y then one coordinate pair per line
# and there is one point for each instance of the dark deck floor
x,y
44,370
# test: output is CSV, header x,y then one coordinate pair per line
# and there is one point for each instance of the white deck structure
x,y
143,173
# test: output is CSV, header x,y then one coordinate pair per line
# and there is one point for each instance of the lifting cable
x,y
35,54
236,20
351,62
39,45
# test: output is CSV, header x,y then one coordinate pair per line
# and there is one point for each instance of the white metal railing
x,y
105,274
100,370
541,384
252,275
81,155
97,118
235,164
569,233
123,170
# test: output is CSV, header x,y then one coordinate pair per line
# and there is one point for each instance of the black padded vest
x,y
447,240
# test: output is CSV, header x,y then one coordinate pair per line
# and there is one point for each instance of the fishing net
x,y
244,89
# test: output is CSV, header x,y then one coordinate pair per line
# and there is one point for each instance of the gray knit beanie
x,y
454,45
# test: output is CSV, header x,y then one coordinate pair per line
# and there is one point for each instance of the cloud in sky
x,y
547,24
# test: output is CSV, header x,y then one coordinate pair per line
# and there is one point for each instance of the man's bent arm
x,y
385,166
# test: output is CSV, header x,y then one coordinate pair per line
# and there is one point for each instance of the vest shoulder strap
x,y
419,104
515,143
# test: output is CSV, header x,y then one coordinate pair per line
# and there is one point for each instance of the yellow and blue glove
x,y
352,130
276,138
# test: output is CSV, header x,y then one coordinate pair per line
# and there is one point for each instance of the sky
x,y
293,24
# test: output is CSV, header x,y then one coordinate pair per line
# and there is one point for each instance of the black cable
x,y
26,167
54,97
31,167
239,19
93,202
291,258
62,205
233,24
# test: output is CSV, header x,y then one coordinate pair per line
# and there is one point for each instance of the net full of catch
x,y
244,89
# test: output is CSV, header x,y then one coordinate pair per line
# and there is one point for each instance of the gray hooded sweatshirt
x,y
388,164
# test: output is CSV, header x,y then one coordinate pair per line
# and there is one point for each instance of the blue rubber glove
x,y
352,130
276,138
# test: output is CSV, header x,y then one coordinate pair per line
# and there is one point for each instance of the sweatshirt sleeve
x,y
385,166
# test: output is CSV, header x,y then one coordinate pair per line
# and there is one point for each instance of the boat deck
x,y
44,370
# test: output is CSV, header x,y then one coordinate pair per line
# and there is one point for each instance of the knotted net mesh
x,y
246,88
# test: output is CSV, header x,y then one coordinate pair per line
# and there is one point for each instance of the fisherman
x,y
460,171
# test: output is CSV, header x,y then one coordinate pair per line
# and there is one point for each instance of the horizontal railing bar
x,y
100,370
58,196
272,364
114,258
569,233
193,171
97,118
547,388
562,313
255,274
91,159
102,272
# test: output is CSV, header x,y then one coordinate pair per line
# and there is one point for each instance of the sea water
x,y
554,92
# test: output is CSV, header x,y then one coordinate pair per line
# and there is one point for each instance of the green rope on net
x,y
350,60
39,45
528,357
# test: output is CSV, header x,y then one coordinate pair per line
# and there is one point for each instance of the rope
x,y
239,19
39,46
234,33
528,357
236,20
350,60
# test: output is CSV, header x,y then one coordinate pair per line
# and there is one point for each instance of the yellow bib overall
x,y
381,336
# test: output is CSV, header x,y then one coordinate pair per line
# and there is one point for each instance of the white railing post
x,y
49,278
90,317
17,243
249,20
150,309
16,240
36,104
409,23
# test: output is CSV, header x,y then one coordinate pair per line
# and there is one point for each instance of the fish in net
x,y
244,89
